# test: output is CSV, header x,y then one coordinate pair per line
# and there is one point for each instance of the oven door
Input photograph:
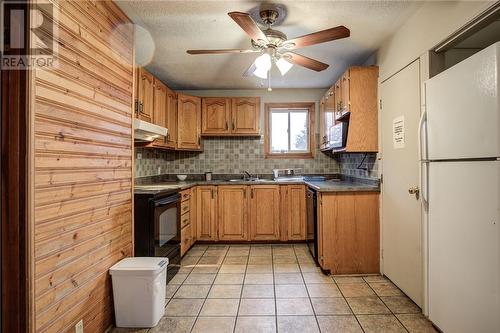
x,y
312,232
166,231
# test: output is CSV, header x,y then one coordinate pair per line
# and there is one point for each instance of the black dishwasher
x,y
312,225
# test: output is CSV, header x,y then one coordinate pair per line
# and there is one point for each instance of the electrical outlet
x,y
139,156
79,327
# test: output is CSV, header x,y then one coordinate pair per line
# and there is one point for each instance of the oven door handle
x,y
167,200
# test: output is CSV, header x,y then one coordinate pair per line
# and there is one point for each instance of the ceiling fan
x,y
274,45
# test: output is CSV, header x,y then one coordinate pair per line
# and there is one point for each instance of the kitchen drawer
x,y
185,239
185,194
184,220
185,206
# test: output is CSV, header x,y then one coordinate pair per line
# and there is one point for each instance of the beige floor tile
x,y
330,306
323,290
305,260
199,247
129,330
254,269
220,307
171,289
214,325
416,323
225,291
194,253
288,278
294,307
183,307
309,268
385,289
227,268
258,291
190,261
375,278
291,291
205,269
238,252
178,278
185,269
231,278
210,261
259,324
367,305
192,291
317,278
257,307
401,304
260,260
262,278
356,289
286,268
260,251
219,247
339,324
380,324
348,279
200,278
236,260
285,260
174,325
215,252
297,324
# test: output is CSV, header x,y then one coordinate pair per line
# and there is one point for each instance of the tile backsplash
x,y
226,155
359,165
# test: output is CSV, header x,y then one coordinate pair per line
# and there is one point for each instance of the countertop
x,y
331,185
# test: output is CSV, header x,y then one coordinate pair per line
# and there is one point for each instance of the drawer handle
x,y
185,221
185,207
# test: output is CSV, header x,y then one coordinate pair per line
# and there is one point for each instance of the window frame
x,y
310,107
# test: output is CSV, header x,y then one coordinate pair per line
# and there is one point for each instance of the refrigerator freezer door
x,y
464,246
463,108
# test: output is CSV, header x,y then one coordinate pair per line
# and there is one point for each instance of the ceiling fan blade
x,y
250,70
306,62
220,51
249,26
318,37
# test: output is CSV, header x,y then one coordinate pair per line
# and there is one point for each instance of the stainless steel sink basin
x,y
251,180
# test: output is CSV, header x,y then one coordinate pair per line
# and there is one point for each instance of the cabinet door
x,y
145,95
245,115
329,113
159,103
264,212
296,221
188,122
215,115
206,209
233,212
322,132
171,119
338,95
346,101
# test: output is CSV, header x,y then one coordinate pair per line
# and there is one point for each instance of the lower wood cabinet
x,y
293,212
206,213
348,232
264,212
233,213
187,220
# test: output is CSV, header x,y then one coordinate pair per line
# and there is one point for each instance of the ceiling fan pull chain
x,y
269,81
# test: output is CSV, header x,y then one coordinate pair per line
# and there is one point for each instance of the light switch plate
x,y
79,327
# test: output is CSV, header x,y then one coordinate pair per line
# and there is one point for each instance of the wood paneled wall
x,y
82,168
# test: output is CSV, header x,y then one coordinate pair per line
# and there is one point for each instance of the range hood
x,y
147,132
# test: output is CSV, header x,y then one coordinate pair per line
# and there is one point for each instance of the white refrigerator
x,y
460,156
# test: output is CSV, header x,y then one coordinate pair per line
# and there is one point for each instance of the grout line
x,y
274,291
349,305
241,291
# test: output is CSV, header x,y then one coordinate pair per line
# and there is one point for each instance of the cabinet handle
x,y
141,106
185,208
184,222
245,194
251,193
226,127
233,124
199,141
212,193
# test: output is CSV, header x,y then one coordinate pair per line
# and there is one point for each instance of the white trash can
x,y
139,290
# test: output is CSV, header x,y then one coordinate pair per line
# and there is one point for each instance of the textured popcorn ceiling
x,y
176,26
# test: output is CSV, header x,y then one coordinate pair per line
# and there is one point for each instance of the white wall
x,y
432,23
275,96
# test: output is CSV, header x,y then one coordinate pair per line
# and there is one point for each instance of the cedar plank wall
x,y
82,169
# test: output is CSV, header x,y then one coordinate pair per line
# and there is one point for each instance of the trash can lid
x,y
139,266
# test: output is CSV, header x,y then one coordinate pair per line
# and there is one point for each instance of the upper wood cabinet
x,y
145,95
238,116
348,232
188,122
264,212
233,212
206,213
215,116
171,119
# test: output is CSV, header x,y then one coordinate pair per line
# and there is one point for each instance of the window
x,y
289,131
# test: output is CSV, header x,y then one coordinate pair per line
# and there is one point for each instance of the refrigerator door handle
x,y
422,136
424,183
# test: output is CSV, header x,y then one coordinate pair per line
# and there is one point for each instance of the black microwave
x,y
338,135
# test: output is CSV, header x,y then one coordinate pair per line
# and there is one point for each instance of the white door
x,y
464,246
401,211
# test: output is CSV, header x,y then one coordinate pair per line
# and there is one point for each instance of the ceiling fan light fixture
x,y
283,65
260,72
263,62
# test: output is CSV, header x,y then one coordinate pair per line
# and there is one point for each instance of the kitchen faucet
x,y
248,175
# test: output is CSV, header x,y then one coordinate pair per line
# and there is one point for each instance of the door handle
x,y
414,190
